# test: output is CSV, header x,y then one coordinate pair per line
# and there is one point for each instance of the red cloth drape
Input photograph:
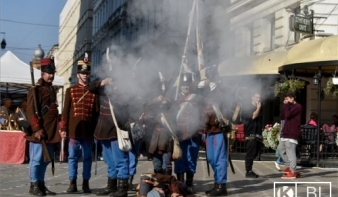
x,y
12,147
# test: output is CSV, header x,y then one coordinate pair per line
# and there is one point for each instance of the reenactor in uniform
x,y
117,161
43,130
159,146
78,122
189,128
215,139
160,185
137,125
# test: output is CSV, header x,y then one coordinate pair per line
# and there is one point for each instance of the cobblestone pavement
x,y
14,180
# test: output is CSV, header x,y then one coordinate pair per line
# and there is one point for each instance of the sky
x,y
29,23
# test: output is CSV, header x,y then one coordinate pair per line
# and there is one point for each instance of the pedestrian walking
x,y
291,135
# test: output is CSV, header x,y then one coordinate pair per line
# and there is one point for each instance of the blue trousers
x,y
190,148
217,156
117,161
161,161
279,160
133,158
73,158
37,167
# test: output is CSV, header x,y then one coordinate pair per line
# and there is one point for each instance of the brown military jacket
x,y
105,128
80,112
189,116
46,98
210,118
161,134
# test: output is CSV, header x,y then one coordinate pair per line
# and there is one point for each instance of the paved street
x,y
14,180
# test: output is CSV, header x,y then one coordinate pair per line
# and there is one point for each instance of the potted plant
x,y
331,88
289,85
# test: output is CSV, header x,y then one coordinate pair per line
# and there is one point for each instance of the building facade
x,y
143,27
75,37
262,26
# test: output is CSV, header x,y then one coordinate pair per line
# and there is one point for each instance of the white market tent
x,y
15,77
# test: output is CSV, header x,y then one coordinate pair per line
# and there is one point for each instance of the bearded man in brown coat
x,y
45,129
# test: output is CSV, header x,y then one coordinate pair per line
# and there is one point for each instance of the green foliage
x,y
290,85
331,89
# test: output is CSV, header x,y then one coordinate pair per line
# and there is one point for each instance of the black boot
x,y
35,189
251,174
72,186
111,187
190,183
168,171
131,187
158,171
122,188
45,190
208,191
85,187
180,177
219,190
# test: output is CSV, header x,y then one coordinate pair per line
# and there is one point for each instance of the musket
x,y
95,140
184,62
45,152
224,126
168,126
206,160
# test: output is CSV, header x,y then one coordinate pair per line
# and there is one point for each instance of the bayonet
x,y
108,59
134,67
162,79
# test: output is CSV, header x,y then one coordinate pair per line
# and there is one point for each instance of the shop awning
x,y
308,56
266,64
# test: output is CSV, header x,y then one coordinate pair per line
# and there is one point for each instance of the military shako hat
x,y
186,79
48,65
83,66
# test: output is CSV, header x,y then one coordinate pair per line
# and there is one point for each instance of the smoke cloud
x,y
156,32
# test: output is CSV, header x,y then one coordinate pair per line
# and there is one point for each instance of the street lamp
x,y
317,81
3,42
